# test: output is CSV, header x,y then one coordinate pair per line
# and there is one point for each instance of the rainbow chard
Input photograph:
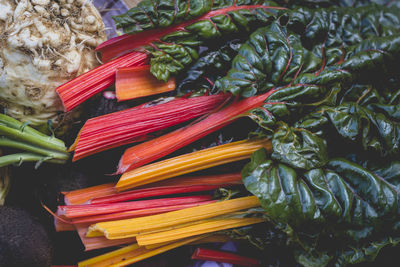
x,y
288,70
330,186
316,48
169,33
173,31
306,65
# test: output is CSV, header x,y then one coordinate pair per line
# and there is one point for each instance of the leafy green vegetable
x,y
331,185
375,131
319,47
211,65
335,95
298,147
341,213
178,48
154,14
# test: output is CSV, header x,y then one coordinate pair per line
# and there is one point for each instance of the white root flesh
x,y
43,45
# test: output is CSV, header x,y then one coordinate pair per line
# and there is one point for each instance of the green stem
x,y
24,136
18,158
6,142
23,127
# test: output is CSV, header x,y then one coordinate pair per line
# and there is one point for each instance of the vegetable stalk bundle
x,y
101,204
311,79
37,146
170,48
186,229
130,125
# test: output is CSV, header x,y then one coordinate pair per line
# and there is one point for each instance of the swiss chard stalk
x,y
132,125
156,148
135,82
151,21
99,242
132,227
81,196
107,192
195,229
201,183
78,90
205,254
75,211
187,163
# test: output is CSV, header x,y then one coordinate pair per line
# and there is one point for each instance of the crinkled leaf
x,y
298,148
374,131
342,211
210,66
180,44
150,14
228,25
316,47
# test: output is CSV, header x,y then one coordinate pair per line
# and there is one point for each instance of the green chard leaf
x,y
150,14
155,14
194,23
177,50
343,3
211,65
338,214
319,46
310,70
298,147
372,121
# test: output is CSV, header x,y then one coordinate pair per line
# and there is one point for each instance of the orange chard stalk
x,y
86,195
159,147
76,91
135,82
80,196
